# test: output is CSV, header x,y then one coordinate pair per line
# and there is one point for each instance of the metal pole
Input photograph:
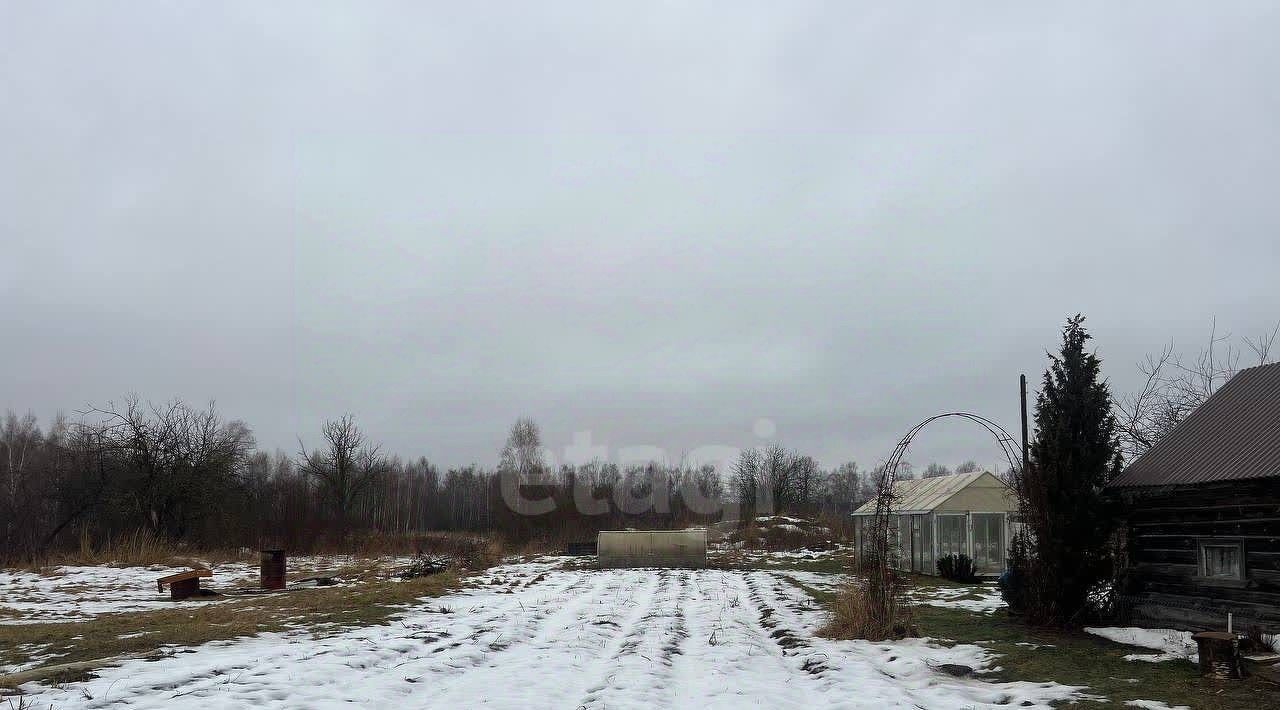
x,y
1023,381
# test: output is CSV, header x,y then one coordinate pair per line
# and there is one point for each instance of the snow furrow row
x,y
532,636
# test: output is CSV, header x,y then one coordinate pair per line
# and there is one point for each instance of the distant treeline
x,y
187,475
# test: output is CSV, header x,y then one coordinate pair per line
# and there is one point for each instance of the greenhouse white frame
x,y
967,513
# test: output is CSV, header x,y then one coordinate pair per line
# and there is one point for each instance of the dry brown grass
x,y
143,548
324,610
137,549
857,614
140,548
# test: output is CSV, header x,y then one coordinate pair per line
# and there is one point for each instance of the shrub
x,y
957,568
859,613
1013,589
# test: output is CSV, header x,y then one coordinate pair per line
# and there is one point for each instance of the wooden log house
x,y
1203,514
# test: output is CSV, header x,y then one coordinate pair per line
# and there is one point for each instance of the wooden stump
x,y
1219,655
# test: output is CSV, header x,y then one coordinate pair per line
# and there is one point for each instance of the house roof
x,y
924,494
1234,435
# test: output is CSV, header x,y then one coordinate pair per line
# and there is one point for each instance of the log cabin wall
x,y
1166,528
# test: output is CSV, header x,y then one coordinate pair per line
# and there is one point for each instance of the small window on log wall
x,y
1221,559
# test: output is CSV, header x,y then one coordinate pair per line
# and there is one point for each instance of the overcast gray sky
x,y
657,222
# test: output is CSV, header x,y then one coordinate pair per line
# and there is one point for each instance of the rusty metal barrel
x,y
273,568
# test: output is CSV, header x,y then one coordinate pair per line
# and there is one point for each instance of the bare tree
x,y
522,454
842,488
345,468
521,465
936,470
1175,385
19,438
904,471
778,477
746,480
967,467
172,463
20,441
81,466
806,478
775,479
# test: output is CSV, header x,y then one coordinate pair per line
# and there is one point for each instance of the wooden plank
x,y
1218,521
1151,604
1173,557
189,574
1264,563
1225,506
1218,596
182,577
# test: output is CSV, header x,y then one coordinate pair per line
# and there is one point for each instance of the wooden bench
x,y
183,584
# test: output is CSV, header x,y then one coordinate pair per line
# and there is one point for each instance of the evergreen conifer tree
x,y
1074,454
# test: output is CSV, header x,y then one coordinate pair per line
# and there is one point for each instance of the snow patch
x,y
1172,645
79,593
783,518
983,599
37,654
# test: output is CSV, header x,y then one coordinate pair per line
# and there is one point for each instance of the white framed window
x,y
1222,559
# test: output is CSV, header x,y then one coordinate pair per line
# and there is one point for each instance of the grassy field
x,y
1079,659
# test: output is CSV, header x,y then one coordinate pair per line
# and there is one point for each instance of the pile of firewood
x,y
426,565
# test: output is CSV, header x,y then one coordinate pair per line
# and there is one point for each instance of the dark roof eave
x,y
1118,484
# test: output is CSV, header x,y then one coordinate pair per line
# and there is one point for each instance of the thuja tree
x,y
1074,454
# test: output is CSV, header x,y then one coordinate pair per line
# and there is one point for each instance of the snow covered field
x,y
534,635
79,593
